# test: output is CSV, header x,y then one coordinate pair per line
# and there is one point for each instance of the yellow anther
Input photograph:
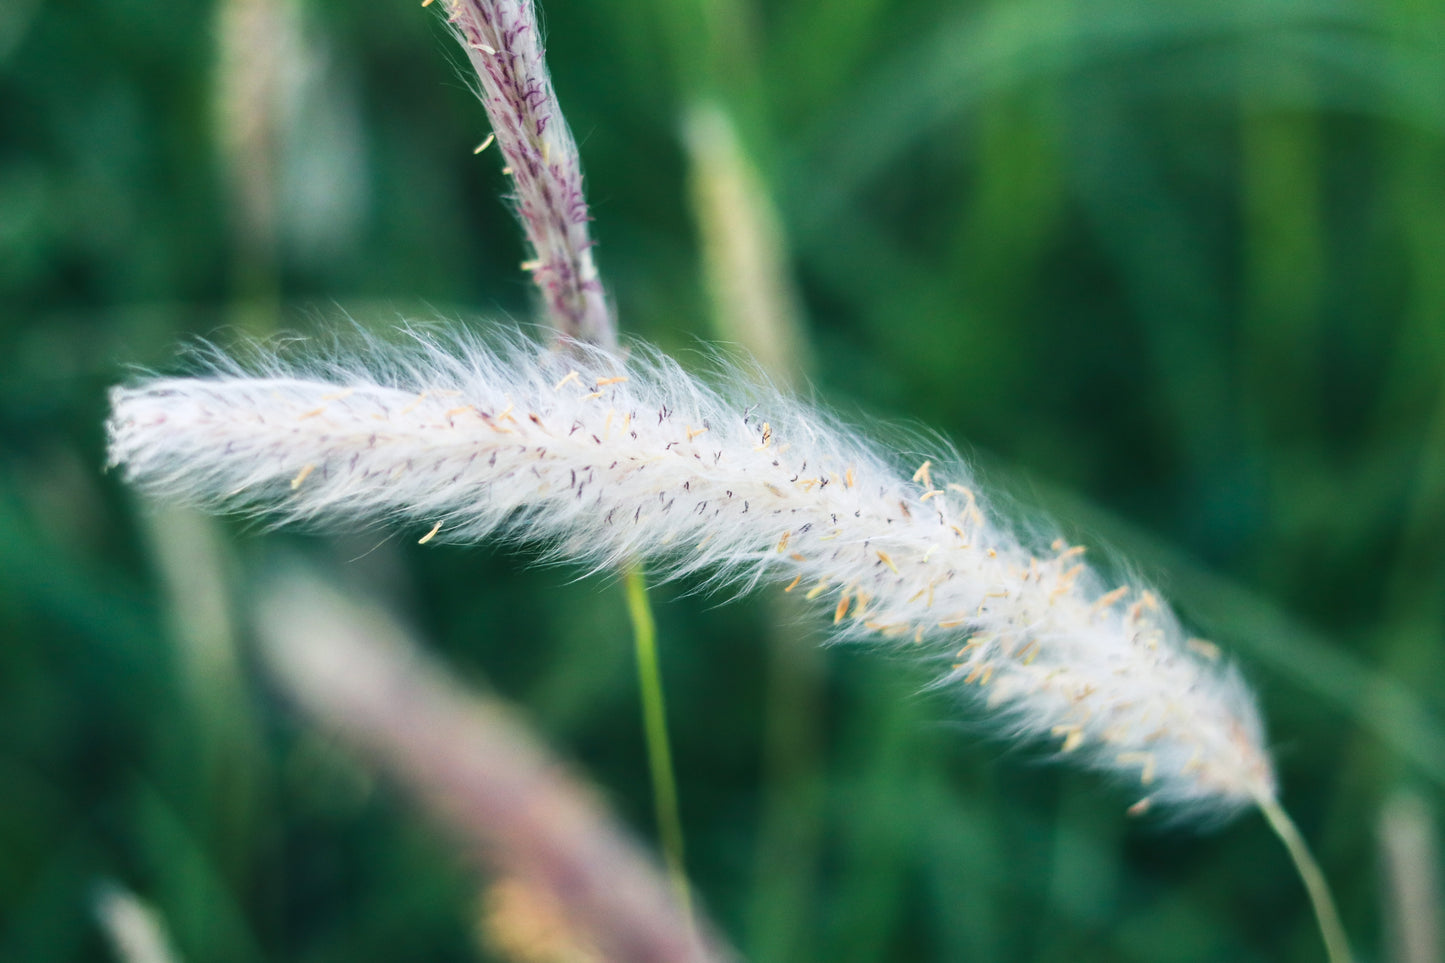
x,y
301,476
783,542
848,478
532,265
923,476
569,376
1066,582
312,413
338,395
887,560
817,590
484,144
694,432
1145,760
793,584
617,380
494,426
970,511
1204,647
1107,599
930,494
430,535
842,608
1073,736
1141,807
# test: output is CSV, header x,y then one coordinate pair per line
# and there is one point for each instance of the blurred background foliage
x,y
1173,273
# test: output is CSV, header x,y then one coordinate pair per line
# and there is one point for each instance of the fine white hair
x,y
605,457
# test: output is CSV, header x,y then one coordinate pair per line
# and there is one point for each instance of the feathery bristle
x,y
605,459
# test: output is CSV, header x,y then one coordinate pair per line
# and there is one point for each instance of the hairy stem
x,y
508,802
502,38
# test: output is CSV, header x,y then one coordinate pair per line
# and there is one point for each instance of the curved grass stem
x,y
1337,945
654,723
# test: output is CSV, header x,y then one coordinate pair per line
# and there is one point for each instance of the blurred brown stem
x,y
476,770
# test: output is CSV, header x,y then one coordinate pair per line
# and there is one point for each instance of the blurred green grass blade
x,y
1285,266
92,601
204,911
1166,268
949,71
881,755
817,45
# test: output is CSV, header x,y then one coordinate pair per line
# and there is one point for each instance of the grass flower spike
x,y
607,459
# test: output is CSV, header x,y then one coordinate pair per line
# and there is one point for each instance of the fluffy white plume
x,y
606,458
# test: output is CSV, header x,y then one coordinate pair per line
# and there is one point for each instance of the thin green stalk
x,y
1337,945
654,725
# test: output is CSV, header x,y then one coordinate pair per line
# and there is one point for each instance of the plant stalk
x,y
654,725
1337,945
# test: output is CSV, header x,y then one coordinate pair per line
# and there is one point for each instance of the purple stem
x,y
503,40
